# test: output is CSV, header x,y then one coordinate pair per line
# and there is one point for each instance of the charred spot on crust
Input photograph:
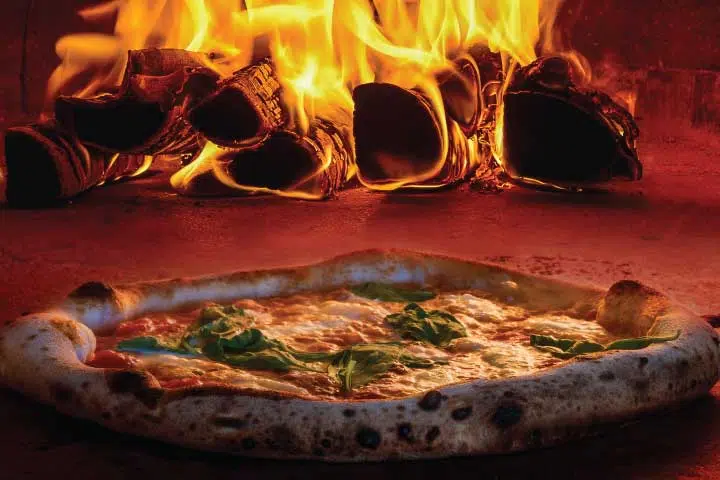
x,y
31,337
229,422
67,328
61,393
642,361
151,418
607,376
282,438
432,434
349,412
631,287
431,401
460,414
139,384
507,415
368,438
535,438
325,442
404,432
97,290
248,443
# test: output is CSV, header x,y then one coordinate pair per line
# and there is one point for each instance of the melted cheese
x,y
497,345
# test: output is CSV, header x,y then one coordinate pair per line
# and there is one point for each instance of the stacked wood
x,y
145,116
244,109
399,135
312,166
45,165
556,132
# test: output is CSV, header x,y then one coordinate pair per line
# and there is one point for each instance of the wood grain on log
x,y
46,165
245,108
399,140
313,166
559,133
146,115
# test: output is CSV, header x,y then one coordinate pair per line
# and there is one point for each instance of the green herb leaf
x,y
271,359
216,312
362,363
549,341
436,327
391,293
566,348
640,342
148,344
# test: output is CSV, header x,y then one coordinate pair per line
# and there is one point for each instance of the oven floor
x,y
663,231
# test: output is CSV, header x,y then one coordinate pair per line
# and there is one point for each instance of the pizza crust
x,y
43,355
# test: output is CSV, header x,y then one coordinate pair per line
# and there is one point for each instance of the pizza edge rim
x,y
42,355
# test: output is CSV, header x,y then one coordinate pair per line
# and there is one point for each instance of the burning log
x,y
462,98
399,137
314,166
146,115
245,108
46,165
399,140
558,133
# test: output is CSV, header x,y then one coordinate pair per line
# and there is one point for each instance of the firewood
x,y
46,165
469,89
399,141
313,166
461,93
244,109
559,133
146,115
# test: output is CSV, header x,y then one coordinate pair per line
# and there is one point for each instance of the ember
x,y
296,98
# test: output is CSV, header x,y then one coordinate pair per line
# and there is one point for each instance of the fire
x,y
322,50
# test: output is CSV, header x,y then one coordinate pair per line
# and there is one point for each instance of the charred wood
x,y
46,165
313,166
146,115
244,109
559,133
470,89
399,140
461,93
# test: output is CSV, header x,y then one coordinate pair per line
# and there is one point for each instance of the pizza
x,y
369,356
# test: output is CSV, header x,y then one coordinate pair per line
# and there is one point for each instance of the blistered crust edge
x,y
42,355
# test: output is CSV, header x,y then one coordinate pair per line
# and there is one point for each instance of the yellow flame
x,y
209,162
322,50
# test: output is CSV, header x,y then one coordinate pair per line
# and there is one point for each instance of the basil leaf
x,y
566,348
640,342
215,323
436,327
362,363
271,359
216,312
550,341
151,344
585,346
390,293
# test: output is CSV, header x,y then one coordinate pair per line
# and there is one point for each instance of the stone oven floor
x,y
663,231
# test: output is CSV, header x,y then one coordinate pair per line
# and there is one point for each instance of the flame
x,y
322,50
